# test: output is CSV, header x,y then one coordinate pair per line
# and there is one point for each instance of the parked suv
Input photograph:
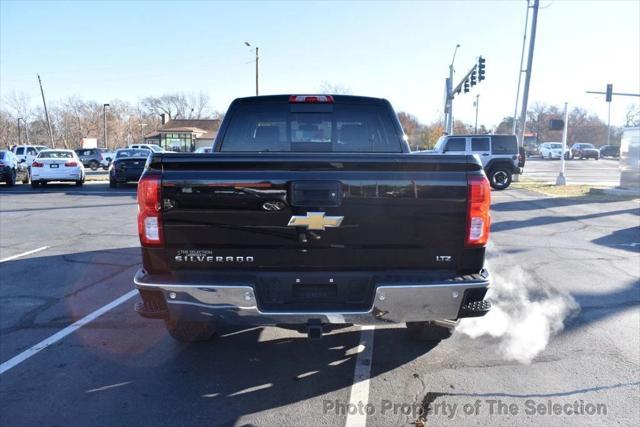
x,y
610,151
12,170
582,150
27,153
552,150
93,158
499,154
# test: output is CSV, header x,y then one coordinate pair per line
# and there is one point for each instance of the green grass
x,y
569,190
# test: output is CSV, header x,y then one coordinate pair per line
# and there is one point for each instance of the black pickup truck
x,y
312,213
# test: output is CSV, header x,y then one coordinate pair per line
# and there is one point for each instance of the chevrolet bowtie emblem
x,y
315,221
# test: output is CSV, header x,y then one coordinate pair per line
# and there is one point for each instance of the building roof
x,y
207,128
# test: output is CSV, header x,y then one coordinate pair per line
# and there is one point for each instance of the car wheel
x,y
34,184
27,177
428,332
79,183
500,178
189,331
11,179
597,158
113,184
106,168
549,156
94,165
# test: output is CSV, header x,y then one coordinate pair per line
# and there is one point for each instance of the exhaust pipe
x,y
445,323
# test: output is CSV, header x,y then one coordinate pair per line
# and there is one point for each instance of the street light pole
x,y
257,60
477,103
561,180
104,117
450,93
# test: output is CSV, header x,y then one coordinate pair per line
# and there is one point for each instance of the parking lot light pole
x,y
561,180
257,59
19,131
104,117
449,128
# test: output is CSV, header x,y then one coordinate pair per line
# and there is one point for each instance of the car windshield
x,y
132,153
587,146
555,145
50,154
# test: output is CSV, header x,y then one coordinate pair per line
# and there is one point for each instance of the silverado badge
x,y
315,221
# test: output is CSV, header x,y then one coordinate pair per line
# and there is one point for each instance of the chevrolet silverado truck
x,y
311,213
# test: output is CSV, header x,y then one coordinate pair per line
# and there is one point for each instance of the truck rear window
x,y
311,128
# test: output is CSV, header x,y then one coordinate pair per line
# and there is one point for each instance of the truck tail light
x,y
311,99
37,165
149,211
478,211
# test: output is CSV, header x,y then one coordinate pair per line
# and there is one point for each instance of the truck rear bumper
x,y
237,303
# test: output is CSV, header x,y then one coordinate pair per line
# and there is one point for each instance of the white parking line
x,y
23,254
360,388
64,332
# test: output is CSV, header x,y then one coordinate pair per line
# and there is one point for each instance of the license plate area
x,y
320,292
314,292
54,165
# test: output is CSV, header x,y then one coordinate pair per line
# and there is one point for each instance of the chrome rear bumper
x,y
237,302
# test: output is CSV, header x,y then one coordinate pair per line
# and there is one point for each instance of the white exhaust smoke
x,y
523,316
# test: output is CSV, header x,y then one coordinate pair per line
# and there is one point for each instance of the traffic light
x,y
481,66
609,92
466,86
473,77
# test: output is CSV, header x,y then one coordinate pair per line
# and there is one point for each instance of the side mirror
x,y
23,160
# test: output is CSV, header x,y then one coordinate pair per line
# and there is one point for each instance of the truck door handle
x,y
485,154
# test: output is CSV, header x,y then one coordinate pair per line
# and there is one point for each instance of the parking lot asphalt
x,y
120,369
603,172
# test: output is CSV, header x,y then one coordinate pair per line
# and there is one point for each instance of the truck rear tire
x,y
189,331
428,332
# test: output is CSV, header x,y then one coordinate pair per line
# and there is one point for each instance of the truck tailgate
x,y
267,211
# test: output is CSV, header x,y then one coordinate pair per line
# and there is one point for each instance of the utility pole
x,y
104,118
476,104
527,79
46,113
19,132
520,70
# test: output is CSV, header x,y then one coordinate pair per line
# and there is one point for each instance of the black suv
x,y
610,151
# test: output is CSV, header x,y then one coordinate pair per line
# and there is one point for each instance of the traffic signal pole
x,y
474,76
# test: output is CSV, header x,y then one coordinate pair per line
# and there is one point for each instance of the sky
x,y
107,50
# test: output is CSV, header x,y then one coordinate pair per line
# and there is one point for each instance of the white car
x,y
57,165
154,148
551,150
